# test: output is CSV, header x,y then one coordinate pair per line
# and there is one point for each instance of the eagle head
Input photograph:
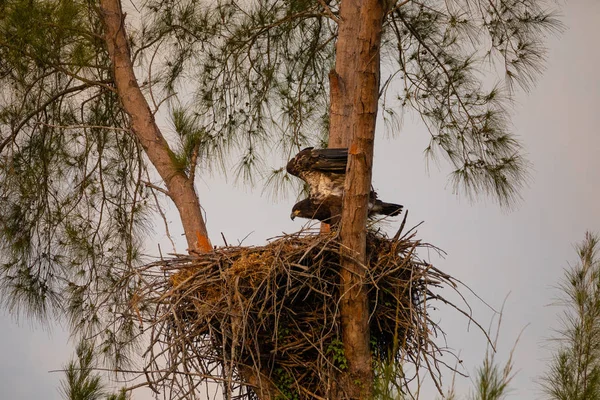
x,y
299,209
311,209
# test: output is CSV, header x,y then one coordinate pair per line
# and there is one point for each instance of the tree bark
x,y
179,187
354,100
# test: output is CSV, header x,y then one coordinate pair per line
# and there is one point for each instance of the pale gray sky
x,y
494,252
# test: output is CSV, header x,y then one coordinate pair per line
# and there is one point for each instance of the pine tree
x,y
574,370
83,83
81,382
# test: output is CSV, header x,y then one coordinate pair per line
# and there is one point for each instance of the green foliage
x,y
285,384
72,203
574,371
492,380
196,144
122,395
243,82
386,385
335,350
439,51
81,383
254,80
258,75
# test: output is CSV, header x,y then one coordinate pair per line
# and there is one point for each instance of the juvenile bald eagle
x,y
324,170
329,210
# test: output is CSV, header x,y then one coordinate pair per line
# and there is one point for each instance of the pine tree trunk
x,y
179,187
354,100
354,96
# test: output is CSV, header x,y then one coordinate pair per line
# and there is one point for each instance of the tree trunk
x,y
354,100
179,187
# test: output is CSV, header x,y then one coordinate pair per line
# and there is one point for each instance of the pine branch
x,y
43,107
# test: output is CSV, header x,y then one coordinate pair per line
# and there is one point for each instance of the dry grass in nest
x,y
270,314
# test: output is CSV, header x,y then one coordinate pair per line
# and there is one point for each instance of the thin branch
x,y
328,11
397,6
41,108
158,188
112,128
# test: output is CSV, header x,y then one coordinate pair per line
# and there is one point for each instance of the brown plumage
x,y
324,170
329,209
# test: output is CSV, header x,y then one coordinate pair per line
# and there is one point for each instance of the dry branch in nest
x,y
269,316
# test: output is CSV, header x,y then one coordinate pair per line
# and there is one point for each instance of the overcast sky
x,y
522,252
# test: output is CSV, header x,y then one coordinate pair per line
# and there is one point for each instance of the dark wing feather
x,y
383,208
318,160
322,169
330,160
378,207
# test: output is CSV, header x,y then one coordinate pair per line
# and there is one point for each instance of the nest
x,y
268,317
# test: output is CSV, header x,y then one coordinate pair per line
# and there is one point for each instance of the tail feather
x,y
333,160
383,208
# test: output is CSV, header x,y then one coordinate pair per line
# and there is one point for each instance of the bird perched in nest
x,y
324,170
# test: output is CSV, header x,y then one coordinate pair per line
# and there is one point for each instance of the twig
x,y
397,6
328,11
158,188
270,308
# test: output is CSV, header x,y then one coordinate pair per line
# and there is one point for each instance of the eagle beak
x,y
294,214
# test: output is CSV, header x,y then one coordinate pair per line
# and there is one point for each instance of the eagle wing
x,y
322,169
318,160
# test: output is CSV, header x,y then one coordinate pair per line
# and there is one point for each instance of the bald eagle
x,y
329,210
324,170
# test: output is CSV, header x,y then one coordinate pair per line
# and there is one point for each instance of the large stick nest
x,y
268,316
